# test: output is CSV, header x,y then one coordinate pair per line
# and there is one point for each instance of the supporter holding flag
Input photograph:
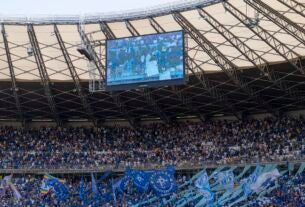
x,y
7,184
2,189
56,185
45,188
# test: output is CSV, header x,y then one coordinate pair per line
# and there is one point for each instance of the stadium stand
x,y
184,144
287,190
232,135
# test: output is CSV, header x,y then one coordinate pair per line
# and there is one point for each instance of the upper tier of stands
x,y
184,145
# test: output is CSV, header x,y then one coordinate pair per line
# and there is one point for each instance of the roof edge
x,y
159,10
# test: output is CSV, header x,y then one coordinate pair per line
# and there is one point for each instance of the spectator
x,y
181,144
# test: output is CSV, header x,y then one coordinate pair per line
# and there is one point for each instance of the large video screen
x,y
143,61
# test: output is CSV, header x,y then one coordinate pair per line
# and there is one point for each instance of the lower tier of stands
x,y
273,184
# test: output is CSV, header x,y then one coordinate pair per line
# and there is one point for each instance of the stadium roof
x,y
242,56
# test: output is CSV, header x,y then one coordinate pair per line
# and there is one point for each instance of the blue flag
x,y
104,176
123,183
163,182
250,180
204,189
140,179
113,192
82,190
202,181
207,198
61,191
94,186
57,185
224,179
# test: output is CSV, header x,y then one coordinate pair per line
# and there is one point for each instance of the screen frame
x,y
146,84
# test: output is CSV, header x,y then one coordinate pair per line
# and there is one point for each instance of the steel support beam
x,y
122,109
115,95
294,6
280,20
75,77
182,98
150,99
283,50
96,60
107,31
212,90
157,27
226,65
131,28
251,55
43,72
244,49
101,68
187,102
12,74
201,77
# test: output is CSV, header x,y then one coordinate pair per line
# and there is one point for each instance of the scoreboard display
x,y
145,61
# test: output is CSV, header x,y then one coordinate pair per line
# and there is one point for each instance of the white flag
x,y
264,180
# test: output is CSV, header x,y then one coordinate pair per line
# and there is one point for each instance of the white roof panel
x,y
25,66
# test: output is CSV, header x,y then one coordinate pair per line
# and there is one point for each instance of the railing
x,y
120,168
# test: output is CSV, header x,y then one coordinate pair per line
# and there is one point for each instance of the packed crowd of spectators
x,y
179,144
29,188
290,191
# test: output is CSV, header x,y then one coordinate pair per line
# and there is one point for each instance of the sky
x,y
73,7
